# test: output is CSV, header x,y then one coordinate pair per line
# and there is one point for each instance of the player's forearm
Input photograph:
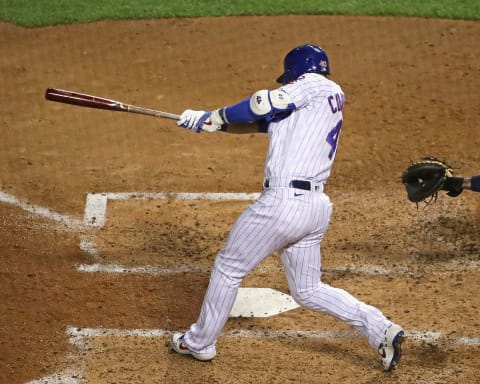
x,y
472,183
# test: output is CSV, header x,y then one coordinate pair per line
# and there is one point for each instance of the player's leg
x,y
256,234
302,262
302,268
276,219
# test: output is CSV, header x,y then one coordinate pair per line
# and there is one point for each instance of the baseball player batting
x,y
303,118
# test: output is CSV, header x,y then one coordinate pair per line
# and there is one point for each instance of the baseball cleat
x,y
390,348
179,346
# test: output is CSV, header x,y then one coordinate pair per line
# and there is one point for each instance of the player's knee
x,y
231,279
303,298
309,297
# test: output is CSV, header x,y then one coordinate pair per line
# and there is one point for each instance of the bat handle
x,y
150,112
168,115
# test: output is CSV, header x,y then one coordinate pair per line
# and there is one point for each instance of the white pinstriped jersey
x,y
303,145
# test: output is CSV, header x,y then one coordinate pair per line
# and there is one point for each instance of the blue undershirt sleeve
x,y
240,112
475,183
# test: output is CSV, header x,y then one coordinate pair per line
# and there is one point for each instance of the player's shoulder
x,y
311,85
315,79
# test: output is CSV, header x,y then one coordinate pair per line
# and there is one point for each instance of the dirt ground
x,y
412,90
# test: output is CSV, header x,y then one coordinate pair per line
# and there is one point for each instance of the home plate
x,y
261,302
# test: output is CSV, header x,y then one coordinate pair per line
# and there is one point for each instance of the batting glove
x,y
189,119
199,121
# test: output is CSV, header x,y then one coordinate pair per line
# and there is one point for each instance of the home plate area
x,y
180,234
173,233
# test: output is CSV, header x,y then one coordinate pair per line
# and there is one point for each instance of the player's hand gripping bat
x,y
83,100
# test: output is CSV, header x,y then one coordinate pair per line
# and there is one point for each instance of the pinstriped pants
x,y
293,222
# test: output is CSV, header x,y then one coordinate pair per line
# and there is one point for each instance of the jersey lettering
x,y
336,102
332,138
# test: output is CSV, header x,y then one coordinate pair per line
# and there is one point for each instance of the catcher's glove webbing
x,y
426,177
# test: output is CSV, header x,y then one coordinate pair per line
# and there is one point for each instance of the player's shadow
x,y
358,353
353,352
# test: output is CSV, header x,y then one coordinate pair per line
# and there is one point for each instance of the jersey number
x,y
332,138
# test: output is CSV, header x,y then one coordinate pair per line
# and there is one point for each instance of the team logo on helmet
x,y
323,63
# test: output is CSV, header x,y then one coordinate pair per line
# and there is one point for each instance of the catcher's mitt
x,y
426,177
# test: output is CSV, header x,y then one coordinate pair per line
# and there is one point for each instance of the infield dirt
x,y
411,87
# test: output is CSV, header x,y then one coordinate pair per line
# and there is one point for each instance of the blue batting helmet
x,y
304,59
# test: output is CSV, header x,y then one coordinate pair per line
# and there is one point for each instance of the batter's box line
x,y
155,270
366,269
95,216
96,204
41,211
80,338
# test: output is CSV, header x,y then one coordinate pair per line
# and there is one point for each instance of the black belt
x,y
299,184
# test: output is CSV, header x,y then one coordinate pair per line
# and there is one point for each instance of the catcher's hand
x,y
426,177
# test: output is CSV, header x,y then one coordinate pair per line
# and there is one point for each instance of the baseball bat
x,y
83,100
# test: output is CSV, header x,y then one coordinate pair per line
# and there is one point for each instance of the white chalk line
x,y
366,269
81,339
68,376
147,270
41,211
96,205
95,216
78,336
158,270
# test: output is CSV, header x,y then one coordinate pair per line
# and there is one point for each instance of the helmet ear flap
x,y
288,76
